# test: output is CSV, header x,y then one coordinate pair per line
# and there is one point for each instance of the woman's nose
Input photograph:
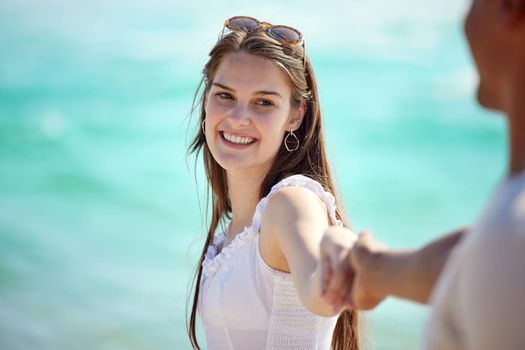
x,y
239,116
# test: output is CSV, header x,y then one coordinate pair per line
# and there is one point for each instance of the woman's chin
x,y
242,165
235,164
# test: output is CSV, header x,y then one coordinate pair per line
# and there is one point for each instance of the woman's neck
x,y
243,189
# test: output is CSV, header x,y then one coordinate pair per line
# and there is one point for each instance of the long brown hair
x,y
310,159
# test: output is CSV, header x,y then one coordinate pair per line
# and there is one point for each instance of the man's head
x,y
495,30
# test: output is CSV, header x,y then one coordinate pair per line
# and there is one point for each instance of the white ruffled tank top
x,y
246,304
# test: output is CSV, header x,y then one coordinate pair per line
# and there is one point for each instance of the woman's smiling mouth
x,y
237,140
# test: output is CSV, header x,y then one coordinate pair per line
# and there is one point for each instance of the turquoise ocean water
x,y
100,225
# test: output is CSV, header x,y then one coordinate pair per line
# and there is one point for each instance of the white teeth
x,y
238,139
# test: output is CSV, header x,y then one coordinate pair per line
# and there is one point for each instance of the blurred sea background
x,y
100,216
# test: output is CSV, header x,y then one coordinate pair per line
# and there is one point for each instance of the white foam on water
x,y
459,84
53,124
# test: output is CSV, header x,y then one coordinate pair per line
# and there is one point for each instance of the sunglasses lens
x,y
243,23
284,34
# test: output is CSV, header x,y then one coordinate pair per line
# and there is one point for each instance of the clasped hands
x,y
351,265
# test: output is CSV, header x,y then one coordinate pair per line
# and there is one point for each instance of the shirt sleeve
x,y
492,293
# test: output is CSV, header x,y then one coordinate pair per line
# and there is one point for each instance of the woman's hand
x,y
337,272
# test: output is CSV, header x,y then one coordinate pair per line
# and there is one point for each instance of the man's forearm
x,y
412,274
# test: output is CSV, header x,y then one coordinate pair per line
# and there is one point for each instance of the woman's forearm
x,y
313,299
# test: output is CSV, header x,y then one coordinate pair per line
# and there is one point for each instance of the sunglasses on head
x,y
284,34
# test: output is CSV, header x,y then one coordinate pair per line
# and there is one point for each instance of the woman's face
x,y
248,111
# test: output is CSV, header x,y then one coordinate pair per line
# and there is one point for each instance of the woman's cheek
x,y
214,110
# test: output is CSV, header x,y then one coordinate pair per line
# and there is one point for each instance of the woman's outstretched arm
x,y
292,227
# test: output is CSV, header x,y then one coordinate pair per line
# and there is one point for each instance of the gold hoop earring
x,y
203,127
295,142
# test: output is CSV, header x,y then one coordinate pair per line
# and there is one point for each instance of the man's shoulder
x,y
504,217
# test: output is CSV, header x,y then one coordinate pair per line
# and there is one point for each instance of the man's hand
x,y
367,261
352,274
359,274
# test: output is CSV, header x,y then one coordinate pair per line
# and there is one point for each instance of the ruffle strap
x,y
298,181
213,261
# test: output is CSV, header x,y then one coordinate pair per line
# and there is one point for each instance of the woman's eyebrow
x,y
262,92
268,93
223,86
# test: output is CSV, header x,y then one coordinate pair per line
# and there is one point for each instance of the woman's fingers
x,y
337,273
344,291
326,268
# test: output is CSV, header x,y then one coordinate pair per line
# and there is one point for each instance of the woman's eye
x,y
265,103
224,96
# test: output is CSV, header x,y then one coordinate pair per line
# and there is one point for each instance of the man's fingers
x,y
358,290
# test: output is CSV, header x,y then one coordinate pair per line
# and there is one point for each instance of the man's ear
x,y
298,116
513,13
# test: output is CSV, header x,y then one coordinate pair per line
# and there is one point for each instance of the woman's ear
x,y
297,116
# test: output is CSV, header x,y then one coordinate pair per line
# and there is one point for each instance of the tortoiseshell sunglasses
x,y
283,34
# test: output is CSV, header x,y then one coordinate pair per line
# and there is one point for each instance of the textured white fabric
x,y
245,304
478,303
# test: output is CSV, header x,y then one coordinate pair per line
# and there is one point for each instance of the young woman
x,y
261,138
